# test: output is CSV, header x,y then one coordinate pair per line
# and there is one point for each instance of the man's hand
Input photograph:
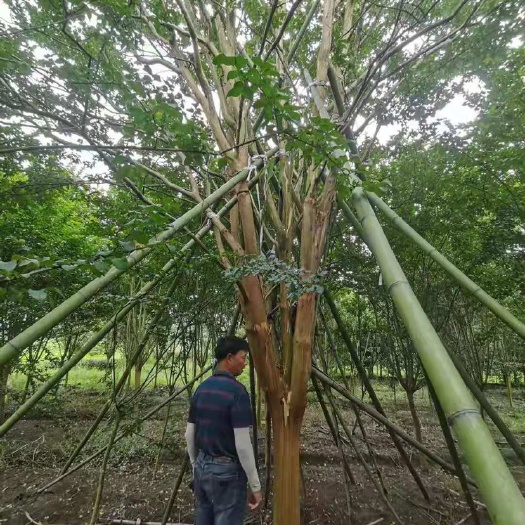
x,y
254,499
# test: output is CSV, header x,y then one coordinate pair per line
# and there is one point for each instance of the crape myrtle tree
x,y
205,100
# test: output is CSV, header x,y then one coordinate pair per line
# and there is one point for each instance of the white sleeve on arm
x,y
190,442
243,444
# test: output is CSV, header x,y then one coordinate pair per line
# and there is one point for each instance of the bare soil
x,y
32,454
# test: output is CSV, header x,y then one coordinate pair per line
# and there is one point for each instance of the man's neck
x,y
223,369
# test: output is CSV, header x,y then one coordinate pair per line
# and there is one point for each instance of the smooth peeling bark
x,y
287,471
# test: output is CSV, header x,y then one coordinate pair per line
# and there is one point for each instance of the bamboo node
x,y
461,413
395,283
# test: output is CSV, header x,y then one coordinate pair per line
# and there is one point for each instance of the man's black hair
x,y
230,345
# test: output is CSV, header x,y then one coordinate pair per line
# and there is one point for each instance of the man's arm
x,y
243,444
190,442
190,434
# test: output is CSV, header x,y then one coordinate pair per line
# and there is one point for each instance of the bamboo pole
x,y
19,343
358,421
103,469
488,408
500,492
467,284
123,378
454,454
333,430
380,418
99,336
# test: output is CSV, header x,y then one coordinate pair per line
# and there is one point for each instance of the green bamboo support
x,y
99,336
19,343
488,408
467,284
449,439
498,488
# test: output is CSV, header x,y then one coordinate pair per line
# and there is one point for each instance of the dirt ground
x,y
32,454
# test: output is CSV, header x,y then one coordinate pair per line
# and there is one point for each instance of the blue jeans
x,y
220,491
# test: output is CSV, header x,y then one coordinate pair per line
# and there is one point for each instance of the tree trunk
x,y
26,387
508,383
415,417
287,475
4,375
138,376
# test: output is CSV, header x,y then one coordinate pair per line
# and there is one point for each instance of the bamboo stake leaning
x,y
467,284
19,343
500,492
454,453
333,429
342,154
99,336
347,474
103,468
123,378
358,420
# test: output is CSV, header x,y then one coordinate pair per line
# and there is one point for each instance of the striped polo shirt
x,y
219,405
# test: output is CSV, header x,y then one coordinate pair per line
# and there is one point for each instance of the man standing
x,y
218,440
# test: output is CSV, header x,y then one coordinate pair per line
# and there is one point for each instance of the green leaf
x,y
8,266
142,237
120,263
236,90
222,162
223,60
39,295
128,246
240,62
101,266
69,267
